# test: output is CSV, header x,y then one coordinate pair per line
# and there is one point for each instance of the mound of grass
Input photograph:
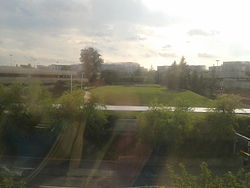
x,y
147,95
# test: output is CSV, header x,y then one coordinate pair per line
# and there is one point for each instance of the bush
x,y
163,129
179,132
34,106
9,182
207,179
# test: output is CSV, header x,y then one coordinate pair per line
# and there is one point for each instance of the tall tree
x,y
92,61
172,77
212,83
184,74
150,76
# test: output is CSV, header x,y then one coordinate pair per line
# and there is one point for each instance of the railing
x,y
243,142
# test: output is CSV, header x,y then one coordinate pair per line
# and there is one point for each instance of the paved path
x,y
145,108
87,96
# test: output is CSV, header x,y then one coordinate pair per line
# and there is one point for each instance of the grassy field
x,y
147,95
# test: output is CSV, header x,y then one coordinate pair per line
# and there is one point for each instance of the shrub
x,y
207,179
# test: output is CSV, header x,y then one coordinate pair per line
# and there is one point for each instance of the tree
x,y
184,74
212,83
227,103
92,61
178,75
150,76
172,77
110,76
163,129
194,86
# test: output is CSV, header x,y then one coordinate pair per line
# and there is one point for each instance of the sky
x,y
149,32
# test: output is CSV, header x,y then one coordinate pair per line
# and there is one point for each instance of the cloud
x,y
167,55
87,16
135,38
205,55
200,32
49,28
167,46
150,53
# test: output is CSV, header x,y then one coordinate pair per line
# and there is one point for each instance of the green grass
x,y
147,95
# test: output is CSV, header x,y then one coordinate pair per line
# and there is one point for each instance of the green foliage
x,y
34,106
182,76
29,106
178,76
22,184
211,136
227,103
92,61
59,88
163,129
9,182
212,83
10,97
73,109
99,126
243,125
109,76
184,179
214,135
71,105
113,77
207,179
150,77
191,135
37,101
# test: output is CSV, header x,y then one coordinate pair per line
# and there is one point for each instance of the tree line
x,y
181,76
178,76
92,67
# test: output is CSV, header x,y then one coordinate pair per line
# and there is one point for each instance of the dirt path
x,y
87,96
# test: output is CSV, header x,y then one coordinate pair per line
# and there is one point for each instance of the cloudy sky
x,y
150,32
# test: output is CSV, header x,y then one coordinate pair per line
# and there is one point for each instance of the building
x,y
232,74
197,68
9,74
72,67
161,69
236,69
122,67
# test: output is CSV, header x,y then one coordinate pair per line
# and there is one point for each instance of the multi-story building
x,y
9,74
236,69
72,67
197,68
233,74
122,67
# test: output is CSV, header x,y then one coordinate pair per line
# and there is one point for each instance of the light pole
x,y
219,76
81,80
71,83
217,60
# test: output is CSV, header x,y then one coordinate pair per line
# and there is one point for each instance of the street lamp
x,y
81,80
217,60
